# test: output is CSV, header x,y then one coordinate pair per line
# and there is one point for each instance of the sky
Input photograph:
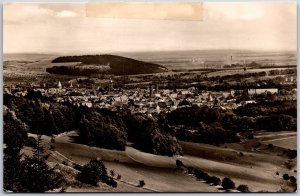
x,y
64,28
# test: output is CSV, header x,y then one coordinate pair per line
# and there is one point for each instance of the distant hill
x,y
103,64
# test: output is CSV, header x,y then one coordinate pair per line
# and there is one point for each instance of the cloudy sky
x,y
65,29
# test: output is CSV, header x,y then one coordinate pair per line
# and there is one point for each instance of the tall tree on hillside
x,y
14,139
36,176
38,121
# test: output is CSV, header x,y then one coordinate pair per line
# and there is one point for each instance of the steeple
x,y
59,85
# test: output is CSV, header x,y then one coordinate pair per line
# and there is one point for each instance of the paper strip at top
x,y
146,10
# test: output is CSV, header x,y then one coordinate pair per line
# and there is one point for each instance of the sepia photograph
x,y
160,97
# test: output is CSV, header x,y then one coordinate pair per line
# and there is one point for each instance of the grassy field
x,y
245,163
285,139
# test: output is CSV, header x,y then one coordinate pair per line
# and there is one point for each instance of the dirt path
x,y
277,134
280,139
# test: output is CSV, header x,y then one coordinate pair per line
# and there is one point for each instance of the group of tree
x,y
98,130
216,126
45,118
265,108
94,172
25,173
76,70
149,136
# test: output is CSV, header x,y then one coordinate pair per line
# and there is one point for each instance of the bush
x,y
243,188
119,177
215,180
190,170
141,183
293,179
111,182
227,183
288,164
206,177
112,173
179,164
270,146
292,154
93,172
286,177
77,167
199,174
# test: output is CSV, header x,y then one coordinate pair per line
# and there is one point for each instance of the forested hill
x,y
90,64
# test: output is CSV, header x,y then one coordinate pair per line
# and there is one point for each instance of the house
x,y
258,91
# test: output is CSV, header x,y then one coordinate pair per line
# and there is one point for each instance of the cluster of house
x,y
145,100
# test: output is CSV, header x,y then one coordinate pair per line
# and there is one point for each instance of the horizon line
x,y
150,51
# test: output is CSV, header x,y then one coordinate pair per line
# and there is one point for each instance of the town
x,y
151,99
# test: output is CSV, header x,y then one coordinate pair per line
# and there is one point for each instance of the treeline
x,y
44,118
206,121
119,65
268,108
215,126
224,83
75,70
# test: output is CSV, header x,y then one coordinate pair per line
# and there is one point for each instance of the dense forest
x,y
118,65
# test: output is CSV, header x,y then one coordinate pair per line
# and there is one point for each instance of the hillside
x,y
101,64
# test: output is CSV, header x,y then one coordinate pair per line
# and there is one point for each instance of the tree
x,y
286,177
38,121
93,172
190,170
149,137
50,125
14,132
36,176
112,173
95,130
227,183
32,174
243,188
179,164
293,179
215,180
141,183
199,174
